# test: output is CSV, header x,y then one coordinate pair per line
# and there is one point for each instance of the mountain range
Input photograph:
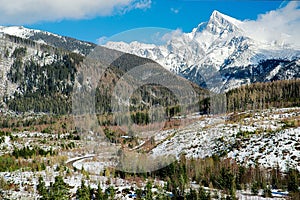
x,y
220,55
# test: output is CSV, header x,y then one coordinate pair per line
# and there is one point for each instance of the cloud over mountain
x,y
281,26
32,11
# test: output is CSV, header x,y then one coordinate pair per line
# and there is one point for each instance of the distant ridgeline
x,y
44,77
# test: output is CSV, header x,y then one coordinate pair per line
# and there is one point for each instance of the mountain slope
x,y
220,55
48,38
264,138
40,76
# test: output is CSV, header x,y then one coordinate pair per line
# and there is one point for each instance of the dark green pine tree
x,y
149,190
254,188
99,195
59,190
42,189
192,195
292,181
110,193
203,195
83,193
267,192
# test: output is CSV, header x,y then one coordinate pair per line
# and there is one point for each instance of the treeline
x,y
85,192
284,93
146,117
222,174
28,152
22,41
9,163
57,190
12,122
60,190
256,96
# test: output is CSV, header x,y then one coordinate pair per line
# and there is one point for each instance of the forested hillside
x,y
285,93
44,76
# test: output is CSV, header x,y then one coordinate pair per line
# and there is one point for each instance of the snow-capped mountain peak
x,y
216,15
220,23
220,55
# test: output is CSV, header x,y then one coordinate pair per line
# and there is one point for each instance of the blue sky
x,y
90,23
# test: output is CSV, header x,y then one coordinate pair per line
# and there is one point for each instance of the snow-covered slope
x,y
214,52
18,31
33,52
44,37
260,138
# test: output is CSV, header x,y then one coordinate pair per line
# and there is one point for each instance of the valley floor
x,y
268,138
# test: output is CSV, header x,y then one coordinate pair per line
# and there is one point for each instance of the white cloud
x,y
174,10
32,11
102,40
281,26
141,4
171,35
